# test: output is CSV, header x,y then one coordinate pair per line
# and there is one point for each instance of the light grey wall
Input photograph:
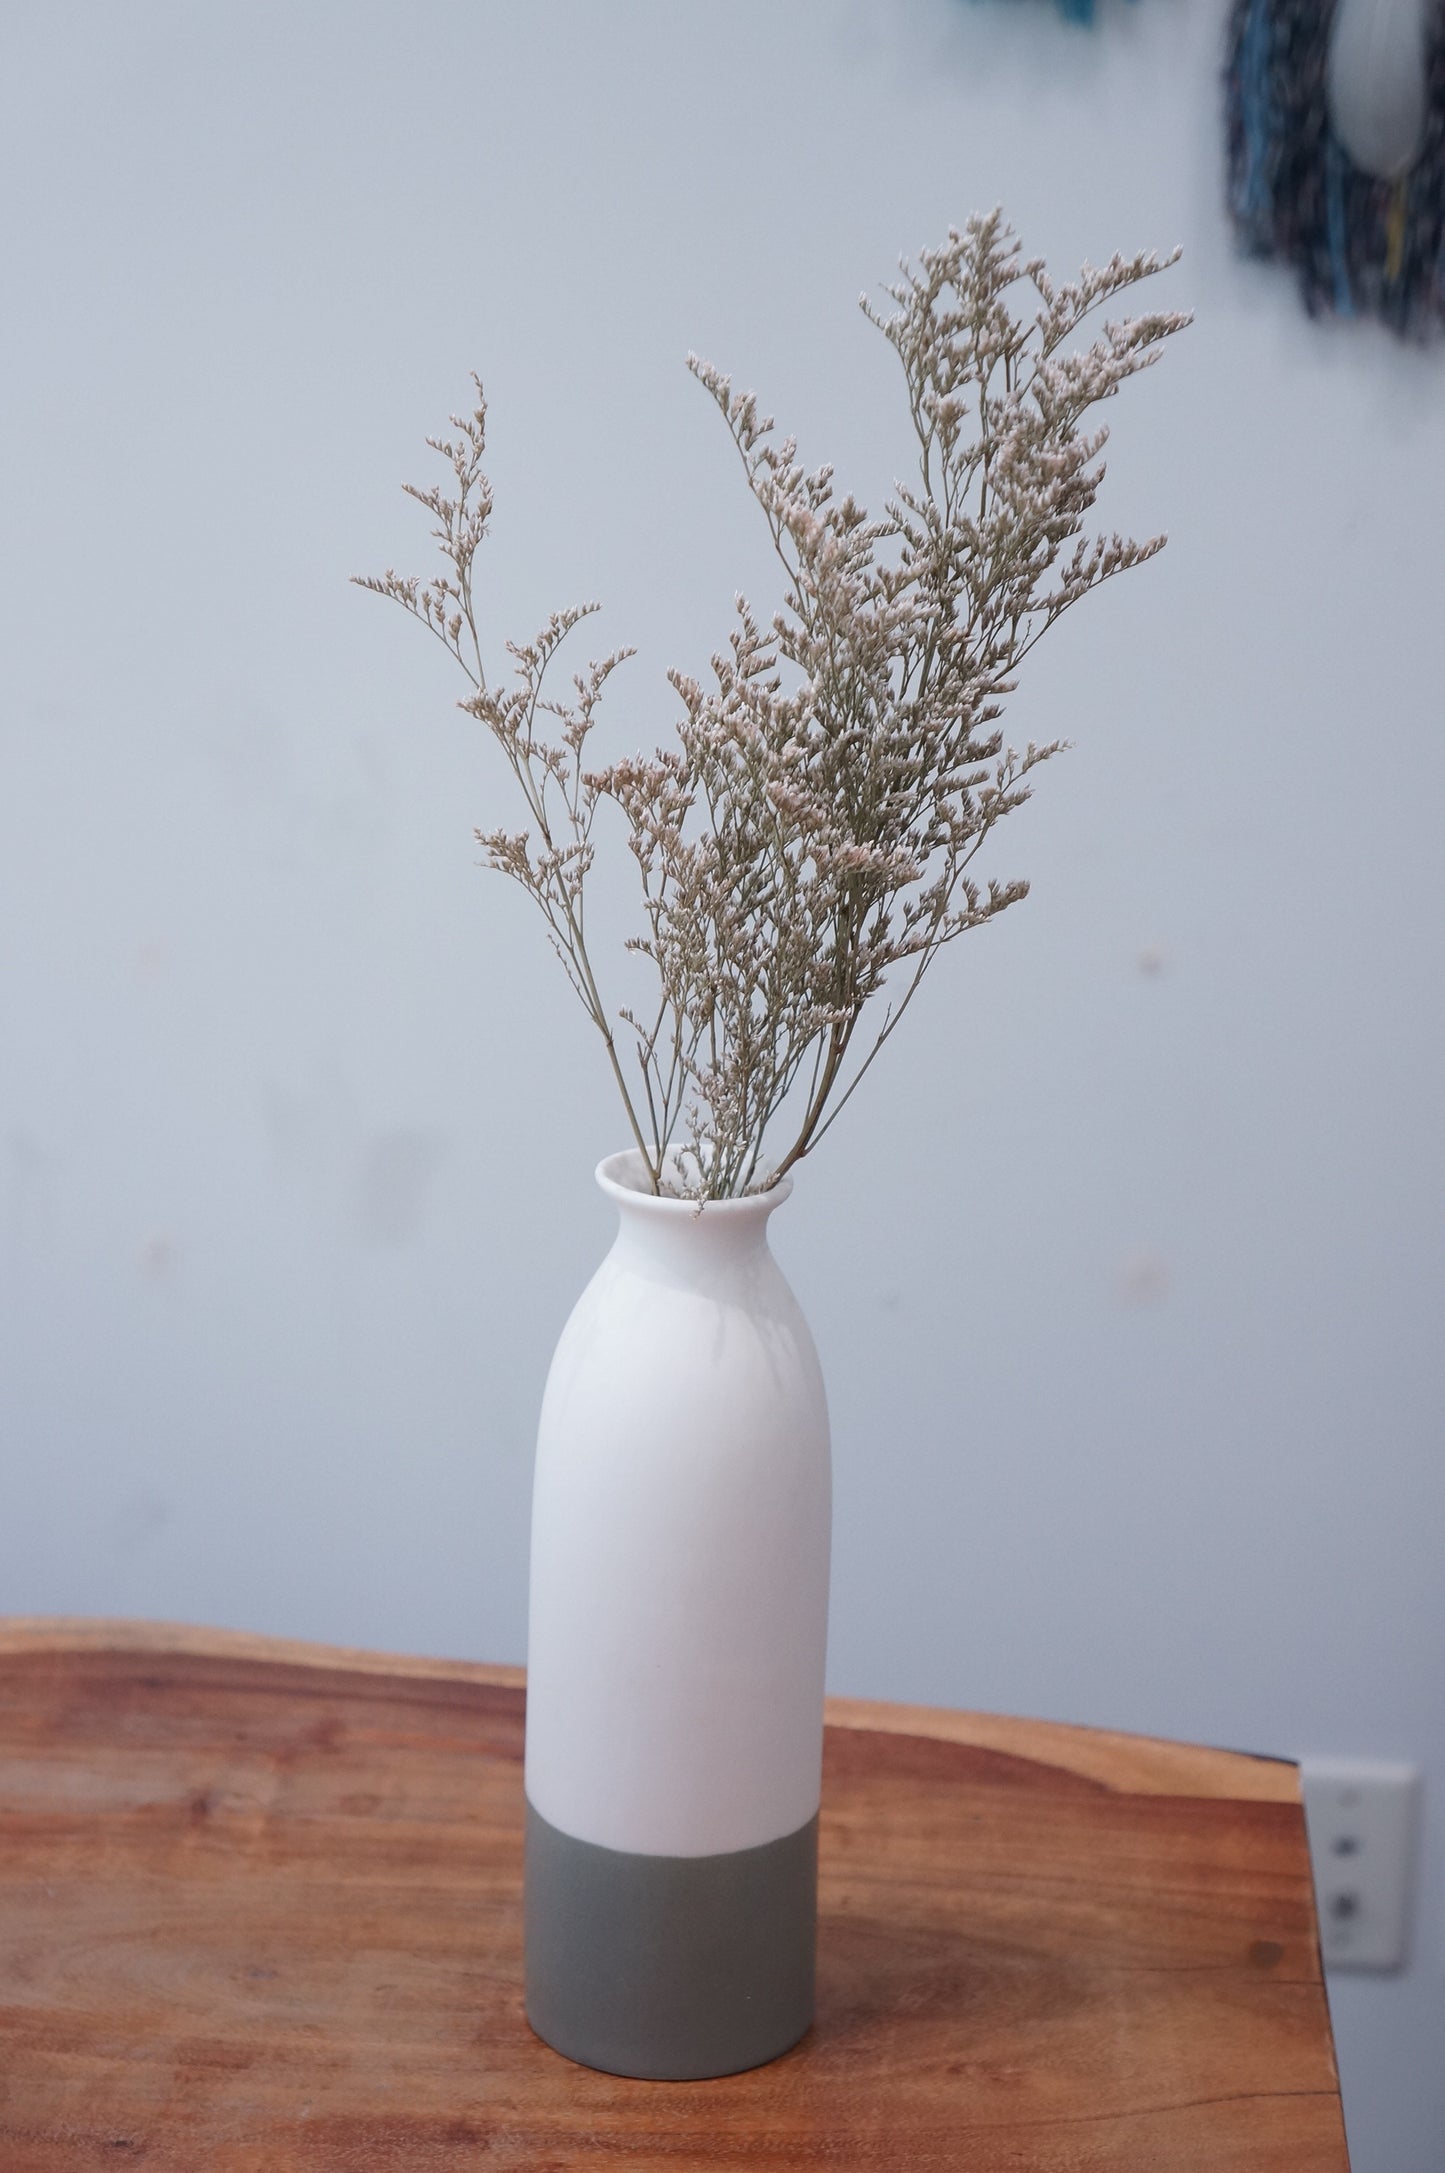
x,y
1127,1282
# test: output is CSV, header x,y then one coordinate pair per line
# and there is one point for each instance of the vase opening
x,y
624,1177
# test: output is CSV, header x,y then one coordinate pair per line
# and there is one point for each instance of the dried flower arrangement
x,y
813,830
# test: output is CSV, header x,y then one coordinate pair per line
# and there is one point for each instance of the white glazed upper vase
x,y
680,1540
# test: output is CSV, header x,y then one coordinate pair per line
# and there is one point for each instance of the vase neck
x,y
690,1238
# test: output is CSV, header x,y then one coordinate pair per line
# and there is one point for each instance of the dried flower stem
x,y
814,828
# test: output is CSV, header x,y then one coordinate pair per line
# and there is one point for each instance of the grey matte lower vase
x,y
670,1968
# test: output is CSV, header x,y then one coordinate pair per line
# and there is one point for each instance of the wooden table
x,y
260,1912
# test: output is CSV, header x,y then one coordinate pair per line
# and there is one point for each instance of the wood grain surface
x,y
260,1912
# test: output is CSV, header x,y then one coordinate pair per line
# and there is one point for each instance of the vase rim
x,y
622,1177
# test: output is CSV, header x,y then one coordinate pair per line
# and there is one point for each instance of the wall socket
x,y
1362,1815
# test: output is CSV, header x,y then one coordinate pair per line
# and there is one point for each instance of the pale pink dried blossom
x,y
809,840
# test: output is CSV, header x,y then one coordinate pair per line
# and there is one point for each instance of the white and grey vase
x,y
679,1599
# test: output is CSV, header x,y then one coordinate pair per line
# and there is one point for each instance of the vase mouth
x,y
624,1178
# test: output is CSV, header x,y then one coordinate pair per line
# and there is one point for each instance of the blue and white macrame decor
x,y
1076,11
1336,137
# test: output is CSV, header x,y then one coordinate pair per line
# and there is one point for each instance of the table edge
x,y
1132,1764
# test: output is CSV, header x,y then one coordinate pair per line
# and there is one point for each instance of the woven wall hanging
x,y
1077,11
1336,136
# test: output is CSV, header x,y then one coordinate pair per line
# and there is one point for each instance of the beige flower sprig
x,y
807,847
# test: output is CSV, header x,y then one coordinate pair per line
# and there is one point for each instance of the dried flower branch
x,y
810,840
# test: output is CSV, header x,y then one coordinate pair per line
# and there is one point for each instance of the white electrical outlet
x,y
1361,1814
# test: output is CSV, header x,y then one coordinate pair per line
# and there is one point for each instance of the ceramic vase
x,y
678,1621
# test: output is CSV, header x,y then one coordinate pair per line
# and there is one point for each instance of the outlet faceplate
x,y
1361,1814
